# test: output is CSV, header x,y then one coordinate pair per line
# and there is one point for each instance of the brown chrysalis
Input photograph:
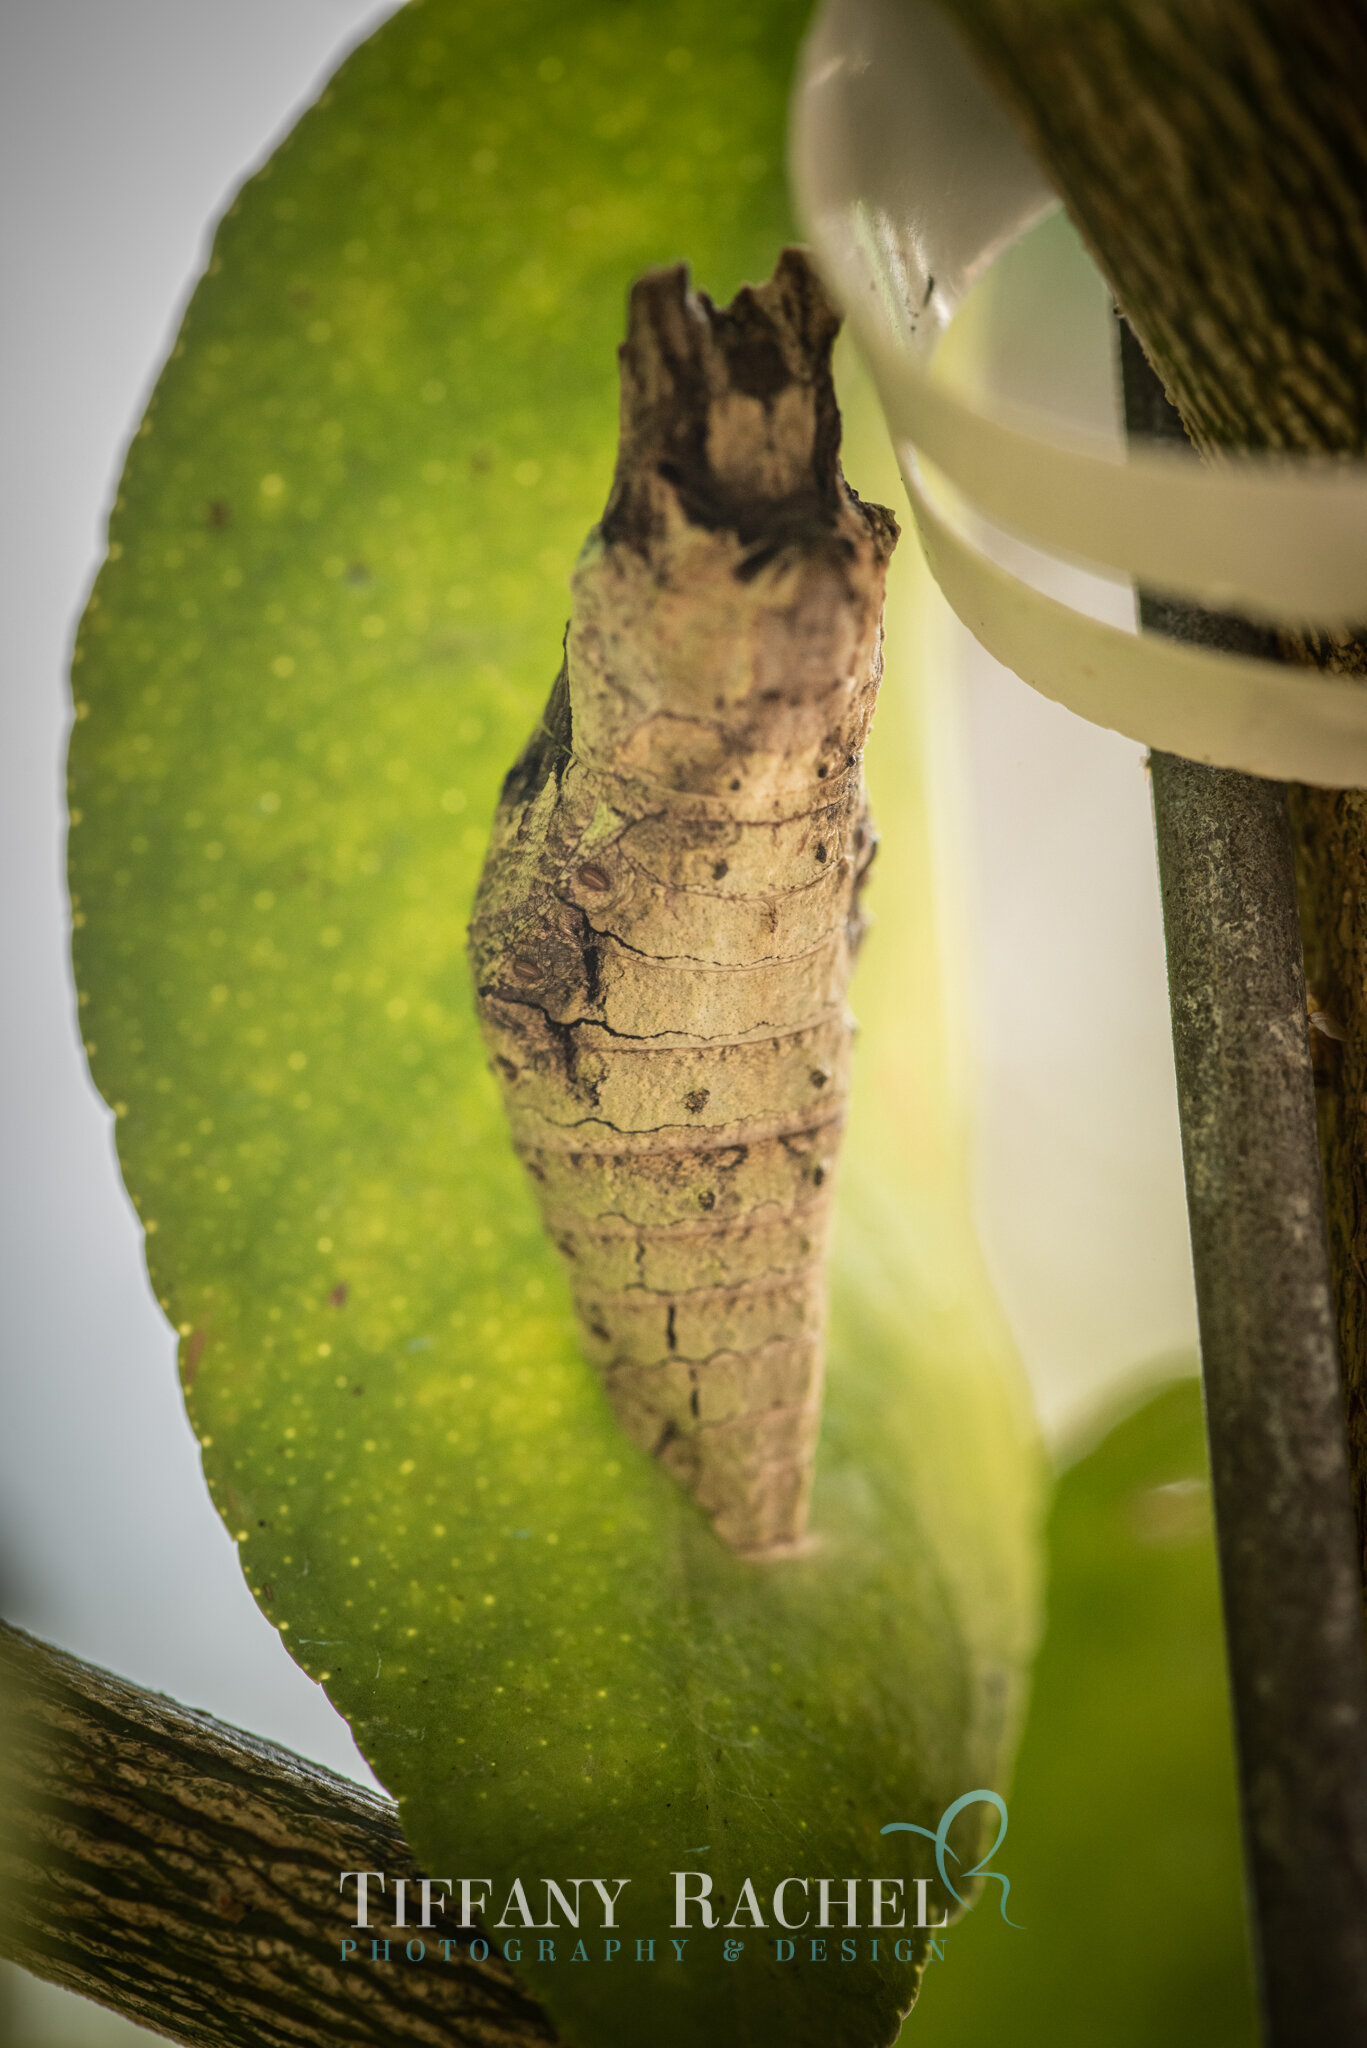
x,y
668,913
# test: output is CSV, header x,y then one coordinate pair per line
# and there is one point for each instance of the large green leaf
x,y
333,604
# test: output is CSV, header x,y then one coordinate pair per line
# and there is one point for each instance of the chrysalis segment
x,y
668,913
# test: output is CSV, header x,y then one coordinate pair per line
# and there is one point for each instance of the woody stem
x,y
187,1875
1274,1410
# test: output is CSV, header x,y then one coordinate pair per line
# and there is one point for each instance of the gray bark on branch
x,y
1213,154
186,1874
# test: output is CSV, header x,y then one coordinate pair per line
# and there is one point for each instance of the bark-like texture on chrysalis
x,y
668,913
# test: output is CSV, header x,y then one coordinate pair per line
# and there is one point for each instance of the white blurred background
x,y
124,127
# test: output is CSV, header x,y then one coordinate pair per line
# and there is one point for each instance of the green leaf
x,y
1126,1778
333,605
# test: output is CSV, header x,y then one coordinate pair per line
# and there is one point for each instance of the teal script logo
x,y
940,1837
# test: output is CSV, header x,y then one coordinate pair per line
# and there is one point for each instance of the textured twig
x,y
667,918
188,1875
1274,1410
1213,152
1214,155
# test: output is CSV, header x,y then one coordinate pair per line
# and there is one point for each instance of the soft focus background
x,y
124,126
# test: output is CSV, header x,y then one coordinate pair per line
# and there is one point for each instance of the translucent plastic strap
x,y
909,180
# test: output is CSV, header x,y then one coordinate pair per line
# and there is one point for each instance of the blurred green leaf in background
x,y
1123,1849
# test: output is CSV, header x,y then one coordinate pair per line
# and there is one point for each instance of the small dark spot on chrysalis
x,y
818,1077
735,782
694,1404
719,869
818,1175
858,837
821,853
593,877
719,703
696,1102
526,970
533,1169
506,1068
850,760
771,696
707,1200
338,1296
219,513
601,1332
565,1245
822,772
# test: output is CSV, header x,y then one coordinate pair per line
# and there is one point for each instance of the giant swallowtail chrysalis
x,y
669,909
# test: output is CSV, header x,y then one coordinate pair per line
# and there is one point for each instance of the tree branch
x,y
1213,154
1279,1468
186,1874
